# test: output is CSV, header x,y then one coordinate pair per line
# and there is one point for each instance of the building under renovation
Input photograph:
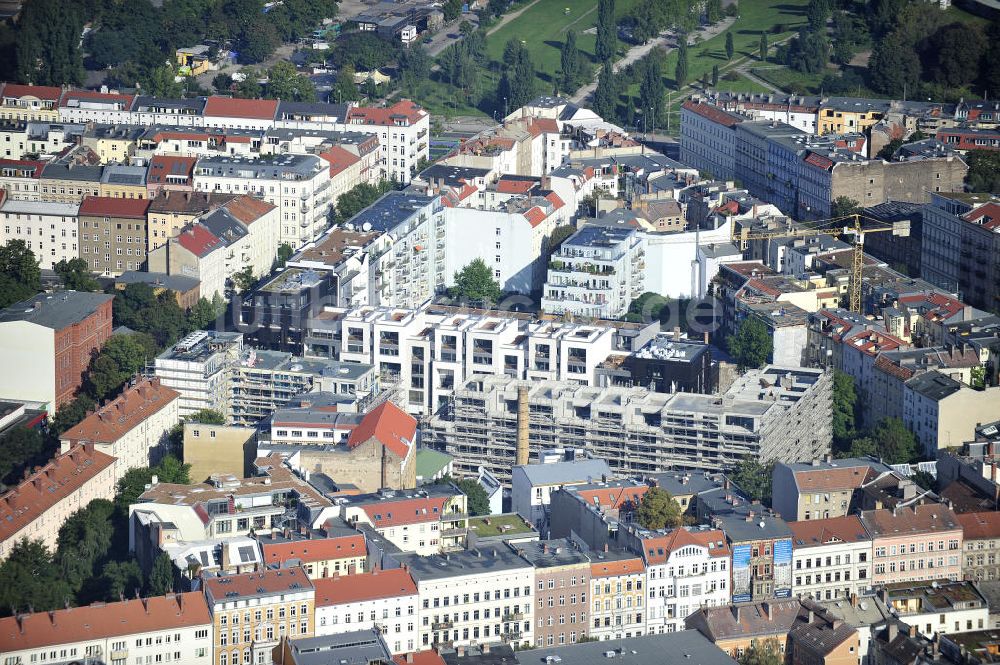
x,y
771,413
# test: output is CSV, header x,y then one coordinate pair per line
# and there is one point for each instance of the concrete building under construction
x,y
774,413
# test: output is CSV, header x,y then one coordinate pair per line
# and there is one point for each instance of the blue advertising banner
x,y
783,568
742,592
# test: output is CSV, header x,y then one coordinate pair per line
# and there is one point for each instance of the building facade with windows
x,y
382,599
175,628
831,558
618,595
562,582
113,234
253,612
48,229
914,544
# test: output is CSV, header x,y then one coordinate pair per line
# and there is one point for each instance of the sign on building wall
x,y
742,591
783,568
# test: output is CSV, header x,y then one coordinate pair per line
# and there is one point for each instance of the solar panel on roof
x,y
246,554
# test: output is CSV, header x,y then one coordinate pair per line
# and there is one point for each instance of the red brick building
x,y
46,343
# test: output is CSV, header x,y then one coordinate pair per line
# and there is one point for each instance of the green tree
x,y
257,41
70,414
658,510
122,579
754,478
863,447
206,417
161,82
517,86
222,82
763,652
953,54
285,252
161,577
843,206
605,101
715,76
22,448
984,171
894,67
729,46
845,404
651,86
681,70
751,345
121,357
360,197
133,483
924,480
345,89
894,443
47,43
850,34
889,149
478,501
76,276
762,48
817,14
415,65
570,63
475,283
244,280
607,31
30,580
452,9
202,315
285,83
808,52
249,86
20,276
713,11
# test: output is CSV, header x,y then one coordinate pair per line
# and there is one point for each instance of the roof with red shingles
x,y
405,511
339,159
248,209
109,206
28,168
713,113
401,110
819,161
978,526
357,588
231,107
17,91
198,240
815,533
628,566
987,216
389,425
313,550
516,185
226,588
657,550
161,166
123,414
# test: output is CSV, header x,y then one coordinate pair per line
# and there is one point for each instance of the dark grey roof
x,y
223,225
286,109
124,175
687,482
547,102
81,172
566,472
498,654
360,647
741,528
55,310
178,283
468,562
687,646
452,174
144,103
549,553
391,210
934,385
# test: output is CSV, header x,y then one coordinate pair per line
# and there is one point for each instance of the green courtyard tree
x,y
161,577
475,283
730,49
659,510
478,501
76,275
20,277
751,345
754,478
763,652
843,206
894,443
845,400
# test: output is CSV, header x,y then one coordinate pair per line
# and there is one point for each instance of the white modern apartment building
x,y
175,628
831,558
686,568
424,522
49,229
197,367
597,272
481,596
132,428
382,599
299,185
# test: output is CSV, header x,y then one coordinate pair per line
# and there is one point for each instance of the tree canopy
x,y
754,478
984,171
475,283
76,275
763,652
845,400
478,501
360,197
658,510
20,276
607,31
751,345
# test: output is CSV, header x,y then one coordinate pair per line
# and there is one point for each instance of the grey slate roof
x,y
687,482
178,283
687,646
550,553
566,472
468,562
934,385
391,210
56,310
360,647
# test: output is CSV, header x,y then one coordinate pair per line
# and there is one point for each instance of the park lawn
x,y
786,78
957,14
542,28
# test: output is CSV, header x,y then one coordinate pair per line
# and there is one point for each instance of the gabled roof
x,y
312,550
109,206
43,489
248,209
404,110
123,414
831,480
980,525
226,588
48,92
197,239
389,425
103,620
361,587
814,533
161,166
230,107
657,549
928,518
622,566
339,159
613,497
407,511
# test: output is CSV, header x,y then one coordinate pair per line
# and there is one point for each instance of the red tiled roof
x,y
712,113
406,511
315,549
613,568
428,657
248,209
555,200
109,206
978,526
197,239
389,425
160,166
614,497
829,480
819,161
104,620
339,159
928,518
404,109
227,587
515,185
892,369
125,412
539,126
231,107
933,305
814,533
33,167
357,588
52,483
16,91
659,548
989,214
535,216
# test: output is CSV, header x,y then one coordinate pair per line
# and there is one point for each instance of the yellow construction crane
x,y
856,226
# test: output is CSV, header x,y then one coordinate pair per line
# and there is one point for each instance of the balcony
x,y
513,616
442,625
448,356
